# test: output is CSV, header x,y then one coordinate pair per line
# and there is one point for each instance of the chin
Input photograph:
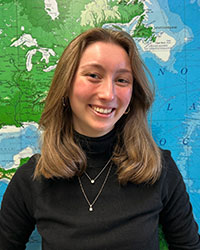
x,y
103,131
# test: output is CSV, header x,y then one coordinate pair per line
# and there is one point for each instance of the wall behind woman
x,y
32,38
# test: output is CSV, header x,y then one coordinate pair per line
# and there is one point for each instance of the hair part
x,y
136,154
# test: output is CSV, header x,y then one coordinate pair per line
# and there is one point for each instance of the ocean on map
x,y
16,143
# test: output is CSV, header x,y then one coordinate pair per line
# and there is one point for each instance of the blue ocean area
x,y
176,111
3,186
159,18
12,143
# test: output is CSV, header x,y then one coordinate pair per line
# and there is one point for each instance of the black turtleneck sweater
x,y
123,217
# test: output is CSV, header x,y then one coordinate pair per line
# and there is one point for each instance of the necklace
x,y
98,194
92,180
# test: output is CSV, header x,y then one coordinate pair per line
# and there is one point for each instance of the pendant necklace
x,y
98,194
92,180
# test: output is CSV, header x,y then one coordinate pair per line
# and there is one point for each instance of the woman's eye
x,y
122,81
94,76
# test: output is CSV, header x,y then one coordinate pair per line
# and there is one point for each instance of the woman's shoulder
x,y
171,175
168,164
26,171
22,181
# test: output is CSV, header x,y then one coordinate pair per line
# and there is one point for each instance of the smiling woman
x,y
100,70
100,182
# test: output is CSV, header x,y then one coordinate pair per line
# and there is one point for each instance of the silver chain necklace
x,y
98,194
92,180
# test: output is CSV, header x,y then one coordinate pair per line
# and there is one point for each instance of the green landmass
x,y
22,92
129,11
23,161
142,31
8,174
162,241
124,12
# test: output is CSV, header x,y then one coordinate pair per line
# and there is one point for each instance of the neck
x,y
98,150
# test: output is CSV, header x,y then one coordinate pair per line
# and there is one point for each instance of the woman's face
x,y
101,90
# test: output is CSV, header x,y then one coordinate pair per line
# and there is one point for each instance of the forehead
x,y
105,53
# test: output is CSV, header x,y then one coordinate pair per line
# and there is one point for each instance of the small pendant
x,y
92,181
90,208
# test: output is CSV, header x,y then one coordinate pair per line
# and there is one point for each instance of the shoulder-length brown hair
x,y
136,154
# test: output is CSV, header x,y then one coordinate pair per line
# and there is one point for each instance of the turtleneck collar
x,y
97,146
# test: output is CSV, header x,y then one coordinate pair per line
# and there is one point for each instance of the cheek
x,y
80,92
124,95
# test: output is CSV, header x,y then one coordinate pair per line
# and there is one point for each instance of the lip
x,y
102,107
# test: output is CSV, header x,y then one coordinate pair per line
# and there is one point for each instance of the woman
x,y
100,182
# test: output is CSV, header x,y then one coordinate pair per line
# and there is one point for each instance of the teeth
x,y
102,111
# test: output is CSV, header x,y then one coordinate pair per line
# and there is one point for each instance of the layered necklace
x,y
92,181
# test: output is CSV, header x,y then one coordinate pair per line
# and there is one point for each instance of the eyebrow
x,y
95,65
100,67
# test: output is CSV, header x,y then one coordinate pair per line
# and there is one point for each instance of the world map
x,y
33,35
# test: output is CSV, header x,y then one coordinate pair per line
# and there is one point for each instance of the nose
x,y
107,90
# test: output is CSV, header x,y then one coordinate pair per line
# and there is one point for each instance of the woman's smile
x,y
102,110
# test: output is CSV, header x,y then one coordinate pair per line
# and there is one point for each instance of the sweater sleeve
x,y
180,229
16,214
